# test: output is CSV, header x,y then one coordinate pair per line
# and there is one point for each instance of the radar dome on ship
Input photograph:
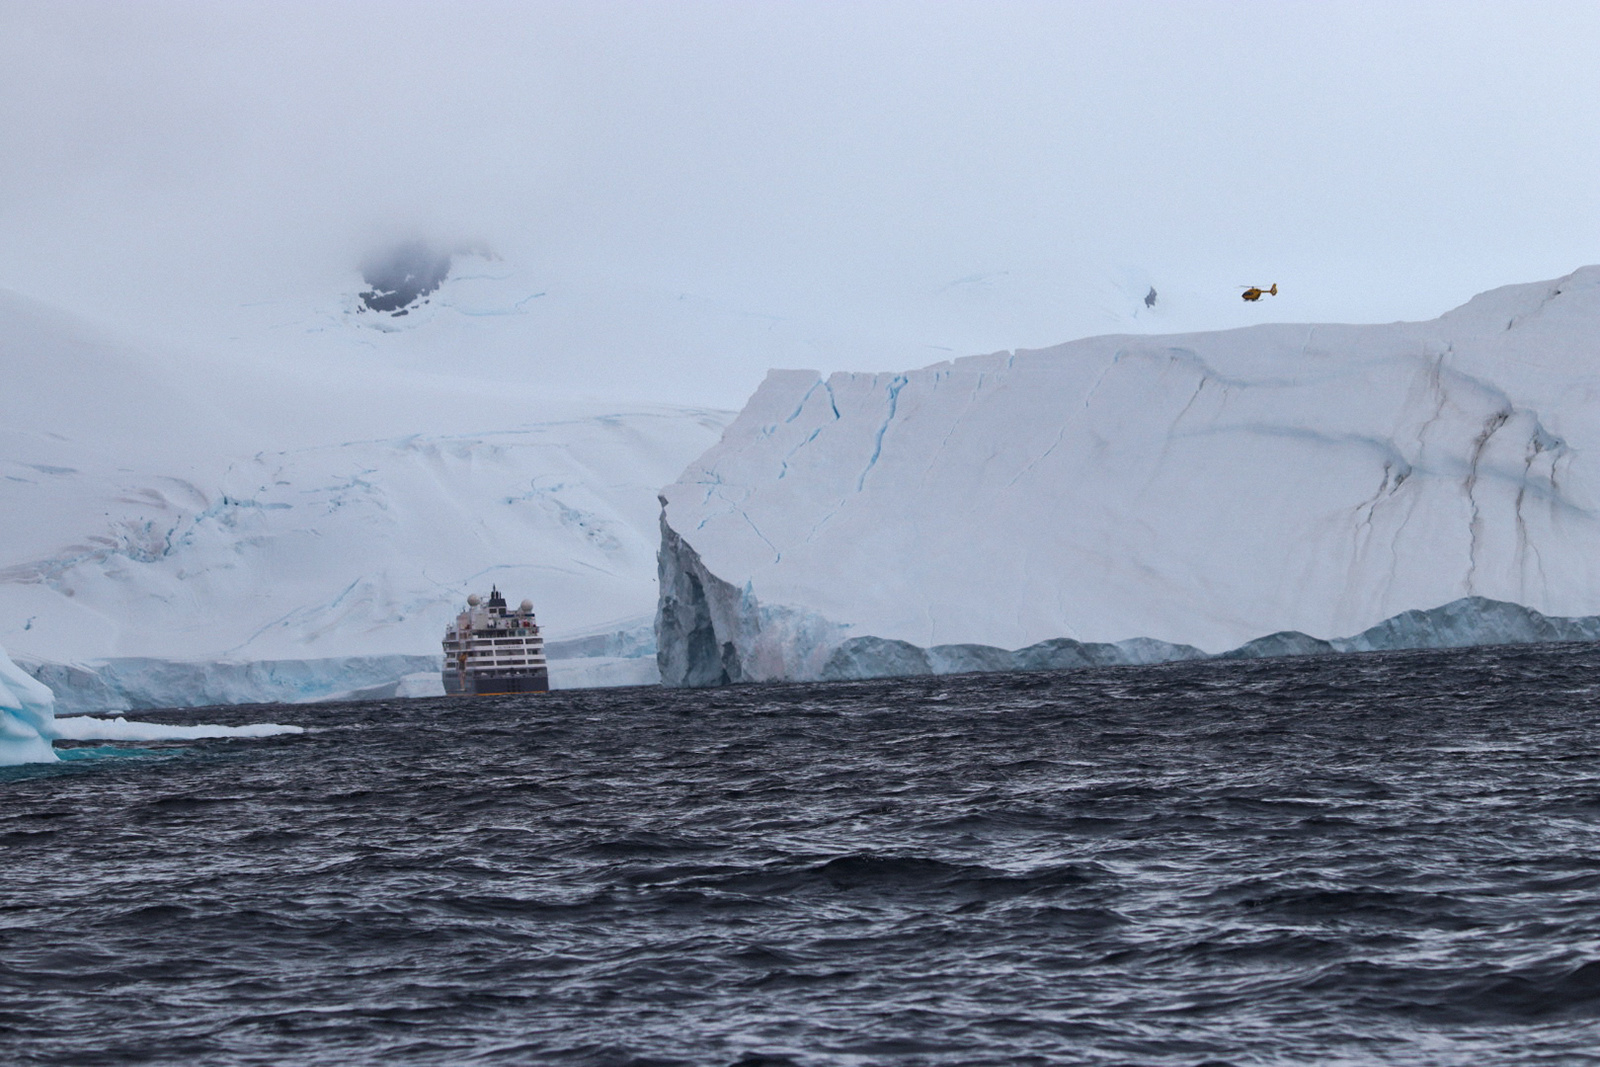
x,y
491,651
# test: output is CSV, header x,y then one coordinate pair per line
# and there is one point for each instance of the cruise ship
x,y
492,650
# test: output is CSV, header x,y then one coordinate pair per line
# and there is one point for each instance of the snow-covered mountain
x,y
186,527
1200,490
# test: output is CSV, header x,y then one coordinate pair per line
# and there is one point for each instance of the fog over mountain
x,y
700,191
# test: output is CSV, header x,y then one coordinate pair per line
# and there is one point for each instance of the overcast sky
x,y
703,190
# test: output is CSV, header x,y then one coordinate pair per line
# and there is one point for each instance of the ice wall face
x,y
710,633
1203,490
28,726
134,683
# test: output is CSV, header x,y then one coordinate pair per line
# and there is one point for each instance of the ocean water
x,y
1378,859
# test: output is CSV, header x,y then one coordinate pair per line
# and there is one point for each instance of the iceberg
x,y
1265,490
27,717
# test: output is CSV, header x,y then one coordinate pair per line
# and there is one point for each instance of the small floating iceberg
x,y
28,725
27,717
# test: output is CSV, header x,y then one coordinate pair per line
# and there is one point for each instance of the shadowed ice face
x,y
692,193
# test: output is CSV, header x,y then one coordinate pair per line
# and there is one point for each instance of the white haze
x,y
704,190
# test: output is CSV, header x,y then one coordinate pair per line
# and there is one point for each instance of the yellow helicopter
x,y
1253,293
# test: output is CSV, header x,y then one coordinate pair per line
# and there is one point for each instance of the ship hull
x,y
487,683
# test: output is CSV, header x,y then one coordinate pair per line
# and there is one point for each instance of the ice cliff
x,y
1287,485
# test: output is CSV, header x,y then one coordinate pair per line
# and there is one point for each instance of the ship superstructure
x,y
492,650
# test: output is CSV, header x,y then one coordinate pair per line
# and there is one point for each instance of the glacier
x,y
1275,487
29,726
139,683
204,530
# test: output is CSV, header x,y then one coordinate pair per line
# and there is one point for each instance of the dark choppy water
x,y
1370,859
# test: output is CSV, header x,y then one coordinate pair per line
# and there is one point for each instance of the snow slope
x,y
1202,490
191,529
